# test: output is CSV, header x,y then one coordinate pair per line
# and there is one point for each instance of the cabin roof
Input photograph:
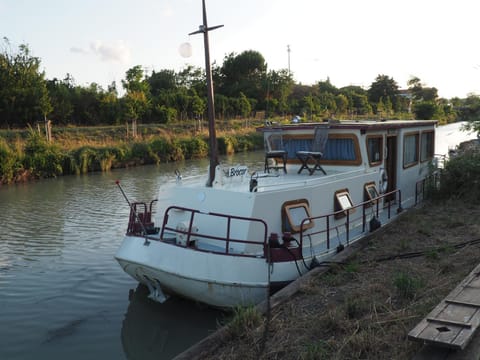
x,y
365,125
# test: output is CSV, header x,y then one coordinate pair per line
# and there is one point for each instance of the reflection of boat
x,y
229,241
153,332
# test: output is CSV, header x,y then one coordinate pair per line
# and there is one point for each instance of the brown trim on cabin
x,y
358,155
431,149
417,148
288,223
370,156
337,206
370,193
355,125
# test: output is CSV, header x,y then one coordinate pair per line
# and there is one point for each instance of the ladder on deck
x,y
453,322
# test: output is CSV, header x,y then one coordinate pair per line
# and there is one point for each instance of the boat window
x,y
375,149
427,145
371,193
410,150
293,213
341,149
343,201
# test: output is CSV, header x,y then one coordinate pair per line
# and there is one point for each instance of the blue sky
x,y
348,41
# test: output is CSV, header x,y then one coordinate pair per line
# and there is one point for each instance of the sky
x,y
349,42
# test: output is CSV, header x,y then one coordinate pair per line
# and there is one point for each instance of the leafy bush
x,y
194,148
8,161
41,158
143,153
163,148
461,177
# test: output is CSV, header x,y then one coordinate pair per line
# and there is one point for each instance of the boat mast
x,y
204,29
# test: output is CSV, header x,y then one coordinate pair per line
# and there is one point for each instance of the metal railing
x,y
227,238
348,221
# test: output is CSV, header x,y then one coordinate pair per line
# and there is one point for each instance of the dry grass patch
x,y
365,309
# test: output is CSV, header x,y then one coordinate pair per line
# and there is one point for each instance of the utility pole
x,y
288,51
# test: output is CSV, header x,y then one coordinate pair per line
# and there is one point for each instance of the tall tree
x,y
243,73
161,81
23,91
382,88
136,100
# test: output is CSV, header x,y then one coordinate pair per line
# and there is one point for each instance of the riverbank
x,y
364,307
26,155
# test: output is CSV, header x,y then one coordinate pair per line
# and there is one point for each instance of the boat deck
x,y
277,179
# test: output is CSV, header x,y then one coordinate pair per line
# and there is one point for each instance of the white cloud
x,y
167,11
78,50
116,52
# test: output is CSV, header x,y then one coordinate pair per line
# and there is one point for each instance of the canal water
x,y
63,295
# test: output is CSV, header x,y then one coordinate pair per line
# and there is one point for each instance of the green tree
x,y
420,92
470,111
383,88
244,106
162,80
424,110
61,94
279,86
243,73
342,103
136,100
23,91
327,87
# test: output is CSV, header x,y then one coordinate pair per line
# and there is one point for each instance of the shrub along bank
x,y
35,158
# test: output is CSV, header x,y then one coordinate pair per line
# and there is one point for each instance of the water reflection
x,y
154,331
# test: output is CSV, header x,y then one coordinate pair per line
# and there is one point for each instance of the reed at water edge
x,y
29,156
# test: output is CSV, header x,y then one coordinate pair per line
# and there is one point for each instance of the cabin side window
x,y
370,195
410,150
375,149
342,149
295,216
342,203
427,146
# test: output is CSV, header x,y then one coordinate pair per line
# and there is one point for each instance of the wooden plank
x,y
455,319
453,301
450,322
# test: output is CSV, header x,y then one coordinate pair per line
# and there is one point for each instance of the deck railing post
x,y
328,232
363,217
347,224
228,234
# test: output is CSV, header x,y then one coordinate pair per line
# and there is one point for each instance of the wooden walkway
x,y
454,321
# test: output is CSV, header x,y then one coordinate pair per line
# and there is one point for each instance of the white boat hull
x,y
209,278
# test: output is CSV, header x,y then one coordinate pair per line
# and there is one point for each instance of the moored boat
x,y
230,239
258,229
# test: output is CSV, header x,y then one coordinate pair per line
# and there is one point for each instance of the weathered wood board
x,y
454,321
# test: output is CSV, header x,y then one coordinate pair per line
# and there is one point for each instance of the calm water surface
x,y
63,295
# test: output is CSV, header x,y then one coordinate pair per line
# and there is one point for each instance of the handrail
x,y
365,205
432,179
227,238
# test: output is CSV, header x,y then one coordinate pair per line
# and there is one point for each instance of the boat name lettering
x,y
237,171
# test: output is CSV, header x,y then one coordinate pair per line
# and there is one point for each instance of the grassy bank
x,y
364,308
26,155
